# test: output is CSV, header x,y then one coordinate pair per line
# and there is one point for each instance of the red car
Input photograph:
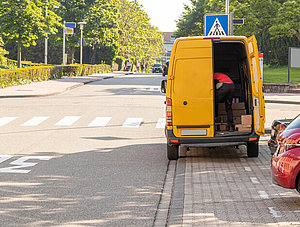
x,y
285,163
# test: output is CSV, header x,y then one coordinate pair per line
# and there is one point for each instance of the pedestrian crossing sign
x,y
216,24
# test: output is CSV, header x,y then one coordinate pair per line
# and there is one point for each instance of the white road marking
x,y
254,180
100,122
161,123
274,212
6,120
154,89
3,158
21,163
147,89
263,194
132,122
67,121
248,169
34,121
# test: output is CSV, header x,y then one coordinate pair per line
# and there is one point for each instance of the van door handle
x,y
185,103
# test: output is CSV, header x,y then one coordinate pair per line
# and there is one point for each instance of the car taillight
x,y
169,112
281,128
292,142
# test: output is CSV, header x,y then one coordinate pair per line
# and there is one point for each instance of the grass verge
x,y
279,75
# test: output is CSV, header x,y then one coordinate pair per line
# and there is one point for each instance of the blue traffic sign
x,y
216,24
70,24
238,21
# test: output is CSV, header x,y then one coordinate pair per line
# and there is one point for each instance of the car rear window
x,y
157,65
295,123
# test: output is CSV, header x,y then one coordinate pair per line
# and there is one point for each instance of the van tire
x,y
252,149
172,152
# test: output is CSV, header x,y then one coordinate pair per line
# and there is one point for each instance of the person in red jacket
x,y
224,93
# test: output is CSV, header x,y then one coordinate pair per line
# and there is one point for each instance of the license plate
x,y
194,132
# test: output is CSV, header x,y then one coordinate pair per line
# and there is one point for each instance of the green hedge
x,y
12,77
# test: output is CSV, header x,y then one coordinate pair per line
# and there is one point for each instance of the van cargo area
x,y
230,58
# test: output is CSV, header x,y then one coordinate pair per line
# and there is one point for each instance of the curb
x,y
177,200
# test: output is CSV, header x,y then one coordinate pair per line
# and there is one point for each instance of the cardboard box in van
x,y
191,117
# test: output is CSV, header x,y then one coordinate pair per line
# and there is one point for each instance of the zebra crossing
x,y
130,122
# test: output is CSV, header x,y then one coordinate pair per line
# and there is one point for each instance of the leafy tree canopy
x,y
24,21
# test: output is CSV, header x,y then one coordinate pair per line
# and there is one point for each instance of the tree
x,y
287,22
2,52
24,21
102,28
138,39
191,22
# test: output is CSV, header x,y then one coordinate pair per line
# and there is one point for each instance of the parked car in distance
x,y
157,68
276,128
285,163
165,69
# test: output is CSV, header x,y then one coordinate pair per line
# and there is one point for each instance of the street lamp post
x,y
46,40
227,7
81,37
64,44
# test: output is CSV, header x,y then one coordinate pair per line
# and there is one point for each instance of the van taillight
x,y
169,112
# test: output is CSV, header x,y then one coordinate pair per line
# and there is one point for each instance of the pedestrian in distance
x,y
224,93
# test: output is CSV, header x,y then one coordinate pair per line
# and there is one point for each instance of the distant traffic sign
x,y
216,24
70,24
238,21
69,31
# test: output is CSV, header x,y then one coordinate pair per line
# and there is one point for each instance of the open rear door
x,y
192,98
256,83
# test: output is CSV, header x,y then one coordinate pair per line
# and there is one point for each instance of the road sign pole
x,y
289,63
64,44
231,23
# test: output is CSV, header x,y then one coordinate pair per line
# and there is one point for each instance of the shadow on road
x,y
103,187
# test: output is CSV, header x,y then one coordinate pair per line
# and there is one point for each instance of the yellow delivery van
x,y
191,118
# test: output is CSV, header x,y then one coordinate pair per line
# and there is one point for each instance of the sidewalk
x,y
53,87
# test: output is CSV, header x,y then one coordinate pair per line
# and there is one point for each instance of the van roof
x,y
215,37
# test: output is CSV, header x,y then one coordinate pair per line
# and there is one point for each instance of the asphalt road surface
x,y
93,156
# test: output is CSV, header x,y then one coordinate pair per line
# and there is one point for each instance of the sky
x,y
163,13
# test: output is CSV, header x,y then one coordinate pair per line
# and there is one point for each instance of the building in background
x,y
169,40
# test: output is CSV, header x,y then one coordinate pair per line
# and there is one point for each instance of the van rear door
x,y
192,89
256,83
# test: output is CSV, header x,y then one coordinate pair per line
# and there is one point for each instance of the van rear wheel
x,y
172,152
252,149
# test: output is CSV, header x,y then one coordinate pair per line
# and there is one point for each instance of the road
x,y
96,156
